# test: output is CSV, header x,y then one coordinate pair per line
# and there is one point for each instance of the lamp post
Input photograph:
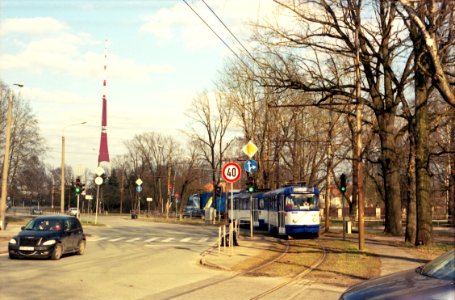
x,y
62,178
6,159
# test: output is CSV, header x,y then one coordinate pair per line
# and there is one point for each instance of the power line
x,y
219,37
235,37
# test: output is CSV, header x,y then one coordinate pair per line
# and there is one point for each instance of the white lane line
x,y
96,239
168,240
151,240
117,239
133,240
186,240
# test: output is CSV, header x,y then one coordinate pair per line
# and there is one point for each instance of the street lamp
x,y
62,178
6,159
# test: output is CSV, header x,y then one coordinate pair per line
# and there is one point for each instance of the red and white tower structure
x,y
103,156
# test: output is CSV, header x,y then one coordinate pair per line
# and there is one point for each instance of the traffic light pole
x,y
251,216
342,213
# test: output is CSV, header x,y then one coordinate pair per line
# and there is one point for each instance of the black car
x,y
48,237
36,211
435,280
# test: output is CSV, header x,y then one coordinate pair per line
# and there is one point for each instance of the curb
x,y
204,262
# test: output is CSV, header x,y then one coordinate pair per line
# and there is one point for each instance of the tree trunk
x,y
411,217
393,222
424,214
451,188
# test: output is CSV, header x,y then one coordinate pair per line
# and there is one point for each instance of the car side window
x,y
73,225
67,225
78,224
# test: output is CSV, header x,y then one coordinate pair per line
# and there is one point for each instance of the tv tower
x,y
103,156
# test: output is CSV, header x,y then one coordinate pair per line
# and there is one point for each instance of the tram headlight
x,y
315,218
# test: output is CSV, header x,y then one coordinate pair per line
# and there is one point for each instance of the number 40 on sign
x,y
231,172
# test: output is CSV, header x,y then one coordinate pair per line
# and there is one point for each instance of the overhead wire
x,y
235,37
219,37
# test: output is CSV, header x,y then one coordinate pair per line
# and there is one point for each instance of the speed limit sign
x,y
231,172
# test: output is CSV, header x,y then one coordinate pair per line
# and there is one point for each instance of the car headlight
x,y
12,241
49,242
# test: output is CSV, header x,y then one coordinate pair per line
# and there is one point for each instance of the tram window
x,y
261,204
303,201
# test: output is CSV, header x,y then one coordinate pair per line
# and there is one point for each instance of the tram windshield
x,y
301,202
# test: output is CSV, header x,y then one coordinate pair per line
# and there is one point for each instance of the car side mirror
x,y
22,227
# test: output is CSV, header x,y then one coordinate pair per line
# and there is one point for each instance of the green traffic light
x,y
78,190
250,189
343,189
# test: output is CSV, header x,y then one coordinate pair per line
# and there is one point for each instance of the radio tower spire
x,y
103,156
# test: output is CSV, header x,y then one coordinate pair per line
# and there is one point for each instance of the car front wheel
x,y
57,253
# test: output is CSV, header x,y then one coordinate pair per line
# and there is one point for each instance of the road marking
x,y
117,239
203,240
185,240
151,240
168,240
133,240
96,239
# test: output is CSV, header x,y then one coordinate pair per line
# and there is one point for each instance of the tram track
x,y
297,277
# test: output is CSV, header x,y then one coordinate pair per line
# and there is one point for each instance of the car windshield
x,y
442,267
301,202
44,225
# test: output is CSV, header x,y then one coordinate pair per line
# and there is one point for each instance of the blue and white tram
x,y
249,205
293,210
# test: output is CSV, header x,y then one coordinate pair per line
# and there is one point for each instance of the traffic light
x,y
250,184
219,191
77,187
343,183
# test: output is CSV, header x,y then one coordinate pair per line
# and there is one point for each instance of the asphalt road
x,y
130,259
124,260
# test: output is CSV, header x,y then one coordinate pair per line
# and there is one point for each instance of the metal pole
x,y
329,167
77,207
251,216
6,163
161,197
342,213
62,178
96,205
231,231
168,187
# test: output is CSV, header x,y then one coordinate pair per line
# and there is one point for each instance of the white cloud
x,y
31,26
62,51
180,24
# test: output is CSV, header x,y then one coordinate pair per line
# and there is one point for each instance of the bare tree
x,y
209,129
26,146
434,22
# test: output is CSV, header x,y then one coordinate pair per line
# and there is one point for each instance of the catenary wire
x,y
219,37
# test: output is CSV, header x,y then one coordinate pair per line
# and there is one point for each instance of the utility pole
x,y
168,187
359,109
6,160
329,168
6,163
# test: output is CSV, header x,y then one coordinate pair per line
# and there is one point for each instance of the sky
x,y
160,55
